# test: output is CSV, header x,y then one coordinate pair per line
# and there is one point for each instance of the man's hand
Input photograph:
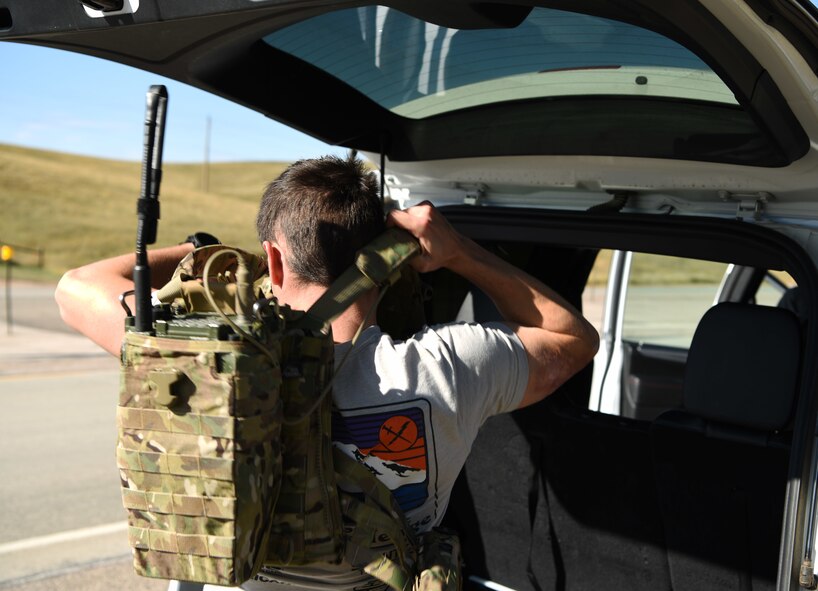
x,y
439,242
557,339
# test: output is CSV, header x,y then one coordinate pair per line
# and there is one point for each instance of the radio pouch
x,y
224,443
199,449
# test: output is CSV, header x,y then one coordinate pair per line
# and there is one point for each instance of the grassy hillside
x,y
80,209
651,269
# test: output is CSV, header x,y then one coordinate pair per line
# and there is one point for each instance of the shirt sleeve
x,y
490,370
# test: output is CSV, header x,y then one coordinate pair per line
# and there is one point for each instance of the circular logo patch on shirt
x,y
398,433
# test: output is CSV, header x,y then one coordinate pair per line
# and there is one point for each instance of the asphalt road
x,y
62,526
32,305
61,522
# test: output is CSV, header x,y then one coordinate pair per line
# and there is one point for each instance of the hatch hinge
x,y
748,204
618,200
104,5
475,193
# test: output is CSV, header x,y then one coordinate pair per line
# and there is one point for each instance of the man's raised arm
x,y
88,297
558,340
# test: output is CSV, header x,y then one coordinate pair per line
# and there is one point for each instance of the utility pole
x,y
206,167
7,256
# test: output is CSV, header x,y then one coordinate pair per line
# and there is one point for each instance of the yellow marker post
x,y
6,256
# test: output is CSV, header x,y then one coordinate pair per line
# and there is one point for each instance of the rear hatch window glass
x,y
418,69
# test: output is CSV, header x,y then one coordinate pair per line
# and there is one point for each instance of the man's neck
x,y
347,324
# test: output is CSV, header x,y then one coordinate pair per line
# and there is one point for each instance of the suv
x,y
593,143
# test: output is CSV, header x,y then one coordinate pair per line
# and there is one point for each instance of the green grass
x,y
79,209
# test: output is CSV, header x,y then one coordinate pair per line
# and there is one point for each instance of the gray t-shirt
x,y
411,410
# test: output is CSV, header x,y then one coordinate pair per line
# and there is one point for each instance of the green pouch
x,y
224,432
211,414
439,561
199,455
306,524
200,418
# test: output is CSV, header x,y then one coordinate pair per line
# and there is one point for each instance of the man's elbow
x,y
556,365
66,296
590,344
579,353
583,350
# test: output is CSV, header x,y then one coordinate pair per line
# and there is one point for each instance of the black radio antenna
x,y
383,166
147,207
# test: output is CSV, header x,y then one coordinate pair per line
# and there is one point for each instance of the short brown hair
x,y
326,209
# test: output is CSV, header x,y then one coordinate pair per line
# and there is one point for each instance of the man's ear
x,y
275,262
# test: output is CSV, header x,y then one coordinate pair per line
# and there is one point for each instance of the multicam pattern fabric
x,y
430,563
199,454
383,257
192,265
440,561
378,264
307,520
204,424
438,567
207,449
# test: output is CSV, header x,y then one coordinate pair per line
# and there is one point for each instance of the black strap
x,y
533,501
613,205
536,455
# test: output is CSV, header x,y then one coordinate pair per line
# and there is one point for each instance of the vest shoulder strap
x,y
376,265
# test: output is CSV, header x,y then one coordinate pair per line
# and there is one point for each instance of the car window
x,y
772,288
647,308
419,69
593,296
666,298
648,314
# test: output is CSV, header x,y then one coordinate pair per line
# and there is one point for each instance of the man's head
x,y
324,210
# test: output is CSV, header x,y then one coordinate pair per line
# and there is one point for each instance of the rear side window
x,y
772,288
650,310
666,298
648,307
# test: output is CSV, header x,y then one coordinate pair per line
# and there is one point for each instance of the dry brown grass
x,y
79,209
651,269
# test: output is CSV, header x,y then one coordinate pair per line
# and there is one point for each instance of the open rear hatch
x,y
519,117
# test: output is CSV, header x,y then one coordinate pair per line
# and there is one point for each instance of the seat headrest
x,y
795,300
743,366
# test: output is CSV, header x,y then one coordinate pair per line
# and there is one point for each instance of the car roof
x,y
710,99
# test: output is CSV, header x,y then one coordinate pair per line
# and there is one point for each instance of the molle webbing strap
x,y
375,266
306,524
373,508
199,455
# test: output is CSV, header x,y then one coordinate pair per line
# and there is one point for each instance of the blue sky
x,y
68,102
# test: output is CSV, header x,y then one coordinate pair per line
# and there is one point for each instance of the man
x,y
409,410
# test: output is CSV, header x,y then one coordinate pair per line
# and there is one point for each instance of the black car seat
x,y
795,301
721,462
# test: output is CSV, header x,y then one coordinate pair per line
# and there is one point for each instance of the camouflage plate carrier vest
x,y
224,448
